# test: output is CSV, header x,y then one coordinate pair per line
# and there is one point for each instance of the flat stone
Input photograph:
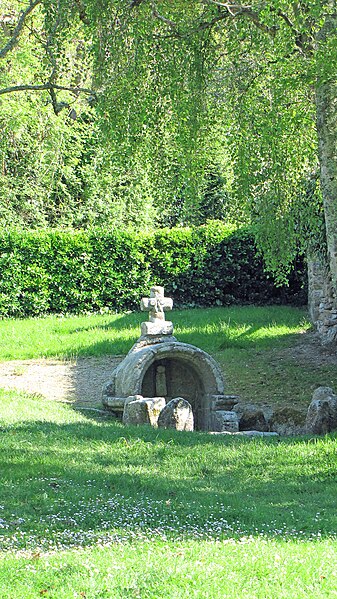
x,y
258,433
246,433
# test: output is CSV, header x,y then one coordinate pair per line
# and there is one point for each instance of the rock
x,y
143,411
322,412
177,414
250,417
288,421
225,421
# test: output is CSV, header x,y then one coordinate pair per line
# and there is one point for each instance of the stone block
x,y
287,420
251,417
115,404
163,327
225,421
143,411
177,414
224,402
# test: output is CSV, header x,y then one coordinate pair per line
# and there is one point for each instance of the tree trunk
x,y
326,111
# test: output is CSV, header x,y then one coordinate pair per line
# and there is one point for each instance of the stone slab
x,y
164,327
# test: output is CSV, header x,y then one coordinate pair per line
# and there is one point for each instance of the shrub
x,y
83,271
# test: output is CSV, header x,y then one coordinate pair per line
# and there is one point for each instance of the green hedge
x,y
78,271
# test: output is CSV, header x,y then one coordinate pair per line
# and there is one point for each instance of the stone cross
x,y
156,305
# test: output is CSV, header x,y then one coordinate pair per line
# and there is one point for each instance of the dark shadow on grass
x,y
71,468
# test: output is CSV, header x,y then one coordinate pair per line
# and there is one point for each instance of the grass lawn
x,y
91,509
260,349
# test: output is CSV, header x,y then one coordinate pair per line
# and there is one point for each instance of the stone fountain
x,y
159,368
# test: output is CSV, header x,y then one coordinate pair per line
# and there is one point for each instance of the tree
x,y
166,76
182,43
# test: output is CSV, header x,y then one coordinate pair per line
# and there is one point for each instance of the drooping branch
x,y
303,41
46,86
165,20
17,31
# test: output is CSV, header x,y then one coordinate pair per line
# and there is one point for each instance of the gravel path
x,y
78,381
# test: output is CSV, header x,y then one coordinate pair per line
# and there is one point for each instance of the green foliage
x,y
200,110
78,271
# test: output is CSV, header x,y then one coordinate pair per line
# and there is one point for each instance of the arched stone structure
x,y
160,366
168,369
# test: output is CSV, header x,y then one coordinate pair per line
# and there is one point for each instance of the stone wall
x,y
321,302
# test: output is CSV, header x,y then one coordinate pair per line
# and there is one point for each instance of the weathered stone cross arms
x,y
156,305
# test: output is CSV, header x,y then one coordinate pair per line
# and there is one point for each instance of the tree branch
x,y
134,3
165,20
46,86
236,10
304,41
16,33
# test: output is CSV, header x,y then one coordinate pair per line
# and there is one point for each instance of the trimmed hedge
x,y
52,271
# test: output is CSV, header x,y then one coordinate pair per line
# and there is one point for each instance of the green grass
x,y
250,343
214,329
89,508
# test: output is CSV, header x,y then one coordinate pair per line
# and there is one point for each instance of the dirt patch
x,y
79,381
308,352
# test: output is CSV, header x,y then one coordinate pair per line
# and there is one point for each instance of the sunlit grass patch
x,y
96,334
205,570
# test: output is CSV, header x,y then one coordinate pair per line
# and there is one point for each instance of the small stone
x,y
177,414
258,434
250,417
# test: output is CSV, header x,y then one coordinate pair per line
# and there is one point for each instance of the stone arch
x,y
171,369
